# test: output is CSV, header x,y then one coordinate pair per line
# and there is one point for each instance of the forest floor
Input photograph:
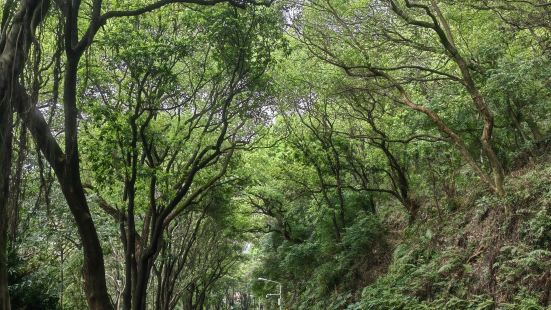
x,y
487,253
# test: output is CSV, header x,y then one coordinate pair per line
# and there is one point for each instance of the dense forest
x,y
275,154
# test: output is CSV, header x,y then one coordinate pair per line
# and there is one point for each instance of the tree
x,y
172,135
363,153
15,43
66,162
358,59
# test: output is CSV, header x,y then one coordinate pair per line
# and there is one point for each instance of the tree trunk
x,y
14,45
400,179
145,265
69,178
537,135
446,38
16,182
188,299
131,254
6,120
486,137
515,122
440,25
534,128
201,299
93,270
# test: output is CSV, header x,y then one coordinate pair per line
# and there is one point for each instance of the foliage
x,y
31,288
358,154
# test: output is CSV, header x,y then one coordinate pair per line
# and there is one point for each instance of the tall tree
x,y
359,58
66,162
15,41
172,118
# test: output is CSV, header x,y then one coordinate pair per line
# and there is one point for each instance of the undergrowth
x,y
493,254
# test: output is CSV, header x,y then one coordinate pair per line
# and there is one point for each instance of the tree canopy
x,y
305,154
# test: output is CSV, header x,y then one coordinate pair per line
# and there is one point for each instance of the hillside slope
x,y
489,253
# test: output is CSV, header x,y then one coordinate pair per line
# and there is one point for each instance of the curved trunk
x,y
15,41
93,270
400,179
440,26
446,38
67,172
